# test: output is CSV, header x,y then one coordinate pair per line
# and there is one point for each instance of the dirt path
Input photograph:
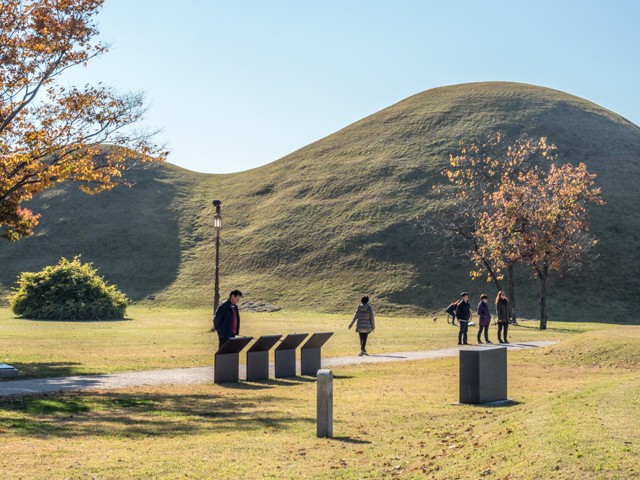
x,y
205,374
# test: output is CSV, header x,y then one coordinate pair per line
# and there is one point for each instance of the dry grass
x,y
164,338
391,421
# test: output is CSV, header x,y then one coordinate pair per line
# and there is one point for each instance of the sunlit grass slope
x,y
330,221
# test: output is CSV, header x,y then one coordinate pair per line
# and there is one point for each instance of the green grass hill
x,y
333,220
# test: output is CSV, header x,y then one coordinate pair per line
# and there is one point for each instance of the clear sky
x,y
237,84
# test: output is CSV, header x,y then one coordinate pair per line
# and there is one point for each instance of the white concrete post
x,y
325,403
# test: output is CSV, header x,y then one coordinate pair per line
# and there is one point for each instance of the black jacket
x,y
463,311
223,320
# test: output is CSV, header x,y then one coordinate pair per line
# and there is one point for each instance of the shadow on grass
x,y
265,384
129,415
48,320
492,405
33,370
355,441
554,330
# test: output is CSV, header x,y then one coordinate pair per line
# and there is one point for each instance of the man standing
x,y
226,320
463,314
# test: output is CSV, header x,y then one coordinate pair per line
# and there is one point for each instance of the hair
x,y
237,293
484,295
501,292
365,299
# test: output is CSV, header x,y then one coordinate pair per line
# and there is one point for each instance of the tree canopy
x,y
50,133
516,205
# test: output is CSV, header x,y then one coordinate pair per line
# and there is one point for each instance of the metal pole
x,y
217,219
216,294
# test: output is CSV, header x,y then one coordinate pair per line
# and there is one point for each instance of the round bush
x,y
67,291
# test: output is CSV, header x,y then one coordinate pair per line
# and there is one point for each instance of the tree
x,y
49,133
476,173
541,218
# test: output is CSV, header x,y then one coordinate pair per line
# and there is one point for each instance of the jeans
x,y
486,332
464,328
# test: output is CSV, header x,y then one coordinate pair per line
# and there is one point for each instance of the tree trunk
x,y
487,266
542,275
512,291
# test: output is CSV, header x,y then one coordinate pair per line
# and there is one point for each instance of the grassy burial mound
x,y
319,227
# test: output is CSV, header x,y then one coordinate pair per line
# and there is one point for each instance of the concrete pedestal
x,y
227,360
483,375
325,404
311,353
7,371
285,355
258,357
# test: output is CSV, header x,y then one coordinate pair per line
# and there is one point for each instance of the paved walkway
x,y
205,374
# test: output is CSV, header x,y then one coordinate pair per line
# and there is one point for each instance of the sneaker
x,y
365,352
479,342
488,342
361,353
459,343
465,343
505,342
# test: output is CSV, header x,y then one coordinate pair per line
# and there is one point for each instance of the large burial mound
x,y
319,227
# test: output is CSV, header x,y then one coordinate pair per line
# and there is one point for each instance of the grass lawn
x,y
571,419
162,338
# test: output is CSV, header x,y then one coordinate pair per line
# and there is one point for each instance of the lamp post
x,y
217,223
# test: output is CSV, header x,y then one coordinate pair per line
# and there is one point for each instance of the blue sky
x,y
237,84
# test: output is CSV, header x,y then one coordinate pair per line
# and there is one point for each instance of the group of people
x,y
461,310
227,319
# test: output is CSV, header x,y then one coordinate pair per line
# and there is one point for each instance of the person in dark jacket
x,y
502,311
451,310
366,323
484,318
463,314
226,320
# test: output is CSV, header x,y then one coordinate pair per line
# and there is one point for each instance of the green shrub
x,y
67,291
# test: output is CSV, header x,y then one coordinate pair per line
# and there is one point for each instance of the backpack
x,y
451,309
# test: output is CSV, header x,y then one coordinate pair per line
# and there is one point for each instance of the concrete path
x,y
182,376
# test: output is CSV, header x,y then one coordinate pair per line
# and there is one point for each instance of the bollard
x,y
325,403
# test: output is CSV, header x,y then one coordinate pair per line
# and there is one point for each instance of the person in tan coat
x,y
366,323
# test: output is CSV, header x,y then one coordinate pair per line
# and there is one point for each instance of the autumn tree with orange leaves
x,y
477,172
516,205
49,133
541,218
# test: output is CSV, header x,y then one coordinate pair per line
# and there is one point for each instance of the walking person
x,y
463,314
484,318
366,323
226,320
502,310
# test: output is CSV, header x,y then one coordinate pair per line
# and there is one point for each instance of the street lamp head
x,y
217,218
